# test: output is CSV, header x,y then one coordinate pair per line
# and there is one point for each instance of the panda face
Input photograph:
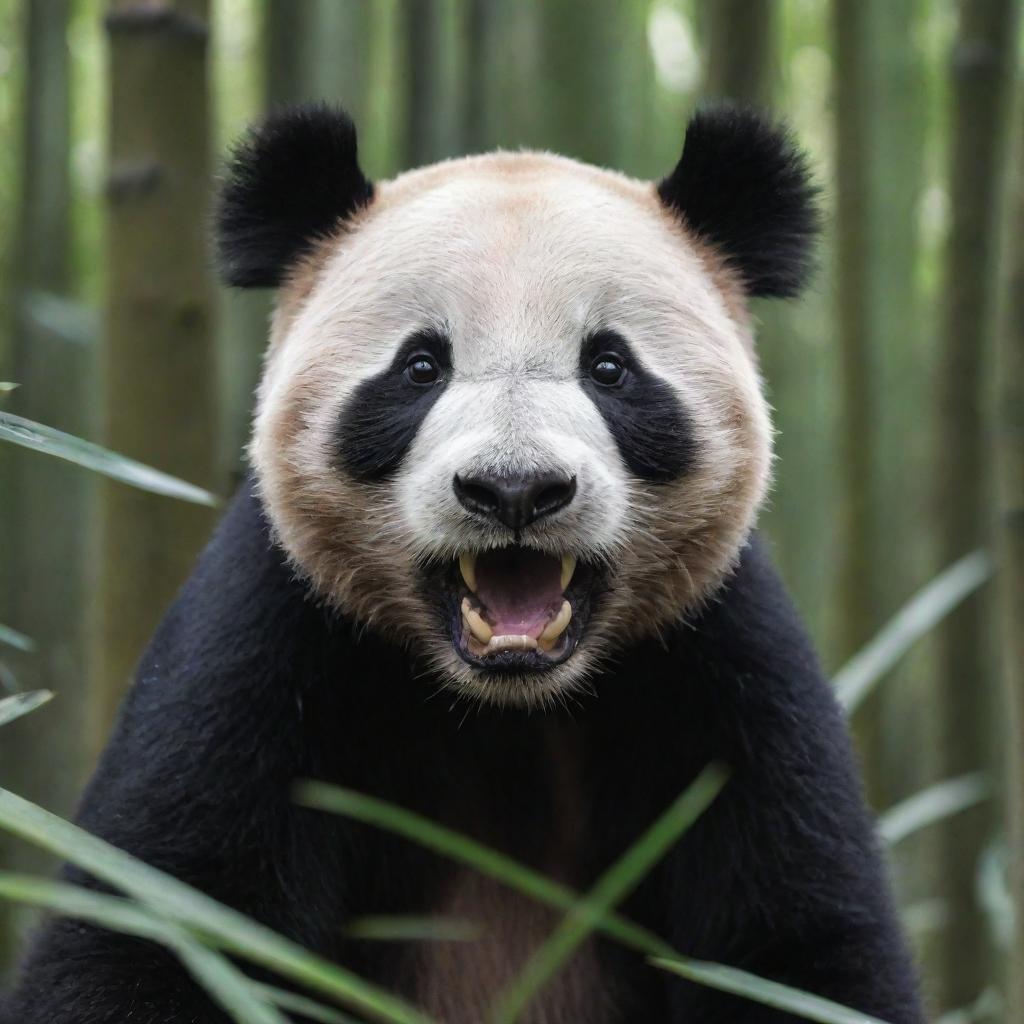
x,y
511,417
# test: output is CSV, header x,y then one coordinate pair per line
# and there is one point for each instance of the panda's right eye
x,y
422,369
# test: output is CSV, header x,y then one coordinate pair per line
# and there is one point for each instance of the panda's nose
x,y
515,501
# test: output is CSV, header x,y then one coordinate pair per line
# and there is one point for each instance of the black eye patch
x,y
381,417
650,426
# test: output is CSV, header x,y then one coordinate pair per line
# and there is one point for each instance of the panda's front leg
x,y
239,695
796,896
783,879
80,974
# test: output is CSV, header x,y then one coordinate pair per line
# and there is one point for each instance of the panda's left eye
x,y
607,370
422,369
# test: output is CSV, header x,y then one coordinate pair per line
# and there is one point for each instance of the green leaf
x,y
933,804
768,993
7,385
371,811
8,680
13,638
62,317
19,704
294,1003
180,903
396,928
221,979
40,438
611,888
922,613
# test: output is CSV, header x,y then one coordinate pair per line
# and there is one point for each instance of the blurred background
x,y
897,382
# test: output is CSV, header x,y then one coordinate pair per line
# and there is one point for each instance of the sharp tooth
x,y
467,565
474,623
568,568
556,627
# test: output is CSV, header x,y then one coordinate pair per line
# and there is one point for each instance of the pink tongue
x,y
520,590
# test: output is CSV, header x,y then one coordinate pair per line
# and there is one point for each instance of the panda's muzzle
x,y
521,609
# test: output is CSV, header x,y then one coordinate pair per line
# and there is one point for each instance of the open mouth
x,y
519,609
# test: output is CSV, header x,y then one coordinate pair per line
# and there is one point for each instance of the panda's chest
x,y
460,982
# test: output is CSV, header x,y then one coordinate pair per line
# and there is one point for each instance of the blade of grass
x,y
184,905
40,438
768,993
8,680
221,979
611,888
395,928
292,1002
17,640
489,862
933,804
925,610
19,704
65,318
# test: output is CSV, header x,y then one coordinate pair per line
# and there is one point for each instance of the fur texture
x,y
250,685
744,186
290,182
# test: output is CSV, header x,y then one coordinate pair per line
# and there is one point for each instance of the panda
x,y
496,563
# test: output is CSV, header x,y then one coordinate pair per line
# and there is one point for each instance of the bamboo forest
x,y
896,384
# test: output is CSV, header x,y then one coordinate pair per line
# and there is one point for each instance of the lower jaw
x,y
528,661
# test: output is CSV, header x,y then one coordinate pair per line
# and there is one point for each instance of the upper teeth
x,y
467,565
568,568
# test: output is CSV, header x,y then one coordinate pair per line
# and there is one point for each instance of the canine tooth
x,y
475,622
557,626
568,568
467,565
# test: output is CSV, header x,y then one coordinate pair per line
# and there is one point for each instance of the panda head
x,y
511,414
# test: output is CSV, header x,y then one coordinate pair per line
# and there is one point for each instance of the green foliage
x,y
38,437
14,639
186,908
19,704
919,616
768,993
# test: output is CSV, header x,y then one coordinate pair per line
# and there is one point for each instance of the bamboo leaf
x,y
40,438
223,981
17,640
922,613
8,680
768,993
182,904
294,1003
489,862
19,704
62,317
933,804
613,886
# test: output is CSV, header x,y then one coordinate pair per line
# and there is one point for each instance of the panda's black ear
x,y
289,182
744,186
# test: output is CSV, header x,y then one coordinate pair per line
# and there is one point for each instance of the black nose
x,y
515,501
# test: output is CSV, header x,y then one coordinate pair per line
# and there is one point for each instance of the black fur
x,y
290,182
381,417
744,186
249,685
651,428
